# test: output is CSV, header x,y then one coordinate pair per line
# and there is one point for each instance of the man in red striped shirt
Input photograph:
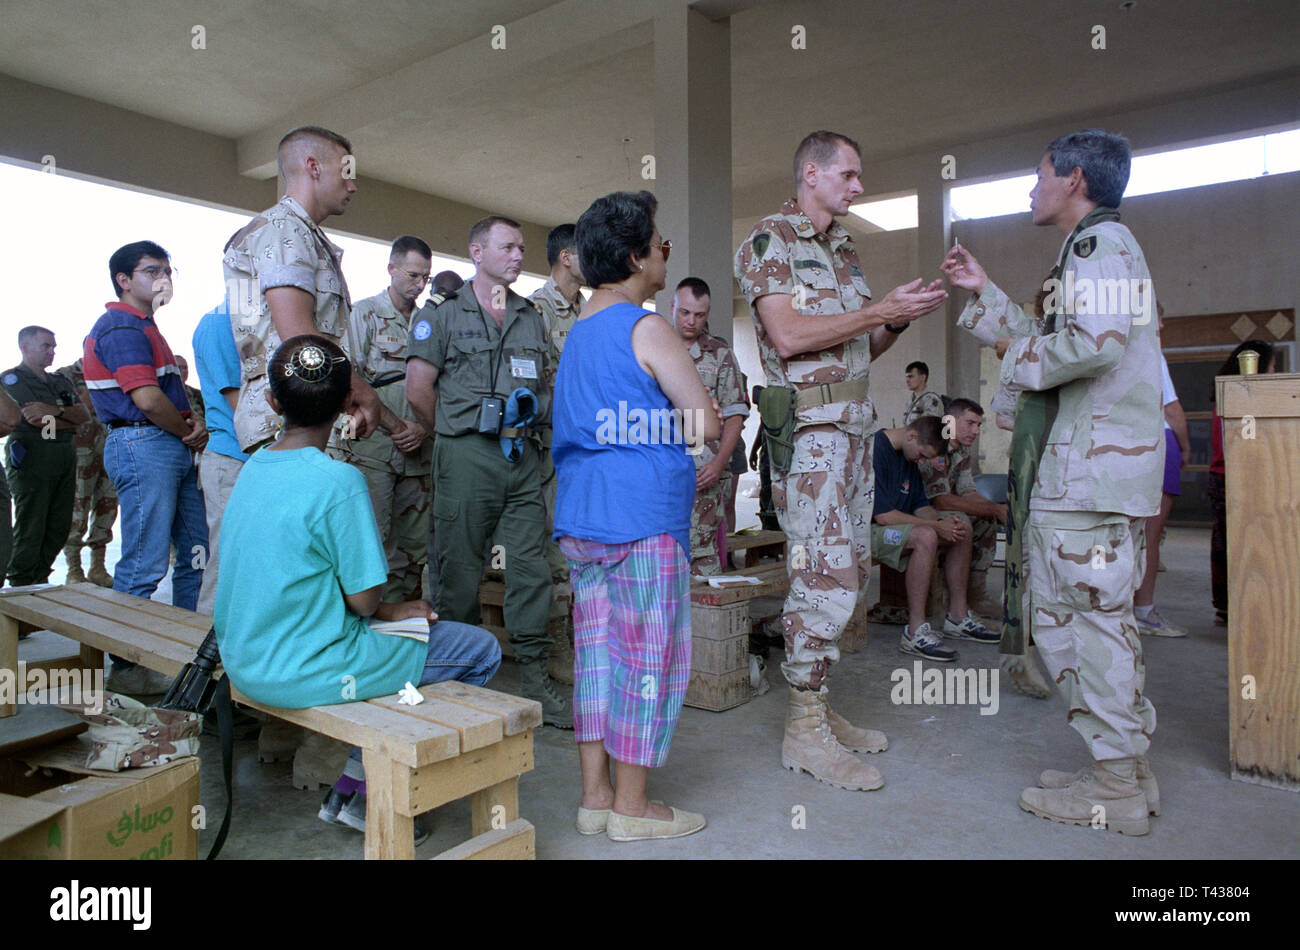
x,y
137,392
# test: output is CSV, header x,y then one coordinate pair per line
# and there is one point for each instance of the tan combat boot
x,y
978,599
1054,779
810,746
98,572
853,738
1025,676
75,575
1107,796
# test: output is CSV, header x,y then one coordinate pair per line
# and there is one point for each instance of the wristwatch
x,y
896,330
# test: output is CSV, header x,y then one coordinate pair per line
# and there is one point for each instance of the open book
x,y
414,628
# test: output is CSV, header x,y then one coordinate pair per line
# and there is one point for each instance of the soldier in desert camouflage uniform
x,y
95,499
398,465
923,401
284,278
950,486
559,301
1089,426
818,332
721,377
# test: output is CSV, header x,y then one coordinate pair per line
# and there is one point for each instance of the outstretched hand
x,y
963,271
908,302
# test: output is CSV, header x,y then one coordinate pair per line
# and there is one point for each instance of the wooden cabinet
x,y
1262,449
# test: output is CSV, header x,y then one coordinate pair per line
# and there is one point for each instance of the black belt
x,y
129,425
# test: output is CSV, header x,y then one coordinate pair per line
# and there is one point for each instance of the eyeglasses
x,y
421,279
666,247
153,272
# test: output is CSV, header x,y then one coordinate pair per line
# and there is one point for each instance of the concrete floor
x,y
952,776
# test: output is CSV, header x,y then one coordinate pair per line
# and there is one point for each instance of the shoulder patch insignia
x,y
421,330
1085,246
437,300
761,241
10,379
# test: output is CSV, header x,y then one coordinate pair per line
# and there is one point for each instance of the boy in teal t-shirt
x,y
302,566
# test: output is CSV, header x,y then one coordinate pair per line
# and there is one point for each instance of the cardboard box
x,y
52,807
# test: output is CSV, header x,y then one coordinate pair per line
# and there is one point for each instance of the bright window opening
x,y
888,214
60,231
1274,153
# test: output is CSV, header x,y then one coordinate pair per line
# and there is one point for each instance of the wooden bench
x,y
758,544
461,741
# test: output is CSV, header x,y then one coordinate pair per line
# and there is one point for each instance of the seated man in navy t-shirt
x,y
907,533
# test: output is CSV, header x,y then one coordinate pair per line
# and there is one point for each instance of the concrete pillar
x,y
936,331
692,152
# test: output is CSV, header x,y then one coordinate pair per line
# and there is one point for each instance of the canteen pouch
x,y
776,408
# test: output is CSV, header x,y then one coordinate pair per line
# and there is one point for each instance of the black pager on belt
x,y
490,415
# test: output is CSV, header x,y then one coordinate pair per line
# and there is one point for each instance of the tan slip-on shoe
x,y
592,821
631,828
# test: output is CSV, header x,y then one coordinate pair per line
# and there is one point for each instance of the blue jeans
x,y
457,651
161,508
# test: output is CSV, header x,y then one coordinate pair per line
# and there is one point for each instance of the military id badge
x,y
523,369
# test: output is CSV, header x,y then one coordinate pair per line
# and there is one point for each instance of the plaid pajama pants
x,y
631,644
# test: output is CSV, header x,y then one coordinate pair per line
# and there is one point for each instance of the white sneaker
x,y
1158,626
926,643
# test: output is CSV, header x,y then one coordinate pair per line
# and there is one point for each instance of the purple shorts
x,y
1173,464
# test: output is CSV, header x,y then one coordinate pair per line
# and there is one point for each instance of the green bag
x,y
776,405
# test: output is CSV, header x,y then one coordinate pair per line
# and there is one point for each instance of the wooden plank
x,y
91,659
389,836
774,579
169,612
152,614
475,727
1264,591
445,781
8,657
742,541
157,653
1273,396
494,806
405,739
516,713
131,615
515,842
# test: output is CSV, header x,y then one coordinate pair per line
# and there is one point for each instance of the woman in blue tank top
x,y
628,408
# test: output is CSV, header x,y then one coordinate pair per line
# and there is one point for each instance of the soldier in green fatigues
x,y
468,357
42,461
398,465
1087,462
9,419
